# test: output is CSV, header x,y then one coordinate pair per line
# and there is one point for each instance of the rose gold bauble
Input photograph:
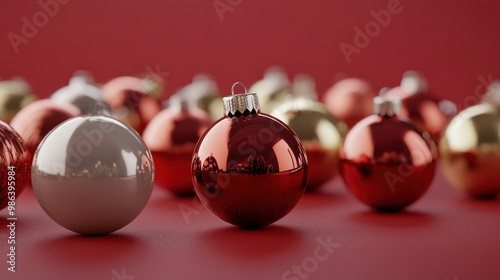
x,y
350,100
171,136
34,121
387,163
129,98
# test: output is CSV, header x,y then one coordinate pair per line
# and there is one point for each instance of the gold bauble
x,y
470,151
321,135
14,95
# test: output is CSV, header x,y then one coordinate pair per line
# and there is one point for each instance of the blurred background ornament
x,y
321,135
273,88
133,100
14,95
350,100
82,93
419,105
93,175
470,147
153,84
14,166
37,119
386,162
203,93
249,168
304,86
171,136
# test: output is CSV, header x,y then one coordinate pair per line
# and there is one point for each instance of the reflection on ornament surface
x,y
470,151
387,163
92,175
172,136
14,166
250,172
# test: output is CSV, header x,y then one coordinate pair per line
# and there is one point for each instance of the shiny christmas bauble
x,y
387,162
350,100
14,95
249,168
93,175
130,100
419,105
171,136
37,119
470,149
14,166
321,135
82,93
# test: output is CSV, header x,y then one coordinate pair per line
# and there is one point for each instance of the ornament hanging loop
x,y
241,84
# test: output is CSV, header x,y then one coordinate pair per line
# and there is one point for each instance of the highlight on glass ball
x,y
470,148
14,165
92,175
387,162
249,168
171,136
321,135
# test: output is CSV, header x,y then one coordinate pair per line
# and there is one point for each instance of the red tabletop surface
x,y
442,236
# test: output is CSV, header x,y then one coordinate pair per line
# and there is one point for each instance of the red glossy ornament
x,y
14,166
130,97
171,136
249,168
418,105
386,162
350,100
36,120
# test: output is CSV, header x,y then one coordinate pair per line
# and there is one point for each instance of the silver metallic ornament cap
x,y
386,107
242,105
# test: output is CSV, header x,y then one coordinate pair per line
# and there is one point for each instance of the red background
x,y
451,42
443,236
